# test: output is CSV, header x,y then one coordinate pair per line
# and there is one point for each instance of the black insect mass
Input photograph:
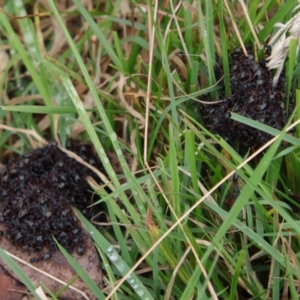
x,y
253,96
36,194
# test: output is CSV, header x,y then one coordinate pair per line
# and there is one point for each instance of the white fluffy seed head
x,y
280,43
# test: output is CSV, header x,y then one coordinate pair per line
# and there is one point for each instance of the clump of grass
x,y
130,83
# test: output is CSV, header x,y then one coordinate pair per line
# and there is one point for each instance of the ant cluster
x,y
253,96
36,194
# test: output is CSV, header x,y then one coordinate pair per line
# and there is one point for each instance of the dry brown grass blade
x,y
236,28
250,23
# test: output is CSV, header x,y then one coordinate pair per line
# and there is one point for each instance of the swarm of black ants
x,y
253,96
37,191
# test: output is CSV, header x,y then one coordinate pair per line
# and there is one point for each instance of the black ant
x,y
44,256
80,250
230,200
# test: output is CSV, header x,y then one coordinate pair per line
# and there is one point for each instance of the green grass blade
x,y
278,17
175,200
236,275
290,68
101,37
19,273
265,128
17,45
34,109
207,34
225,55
82,273
115,259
